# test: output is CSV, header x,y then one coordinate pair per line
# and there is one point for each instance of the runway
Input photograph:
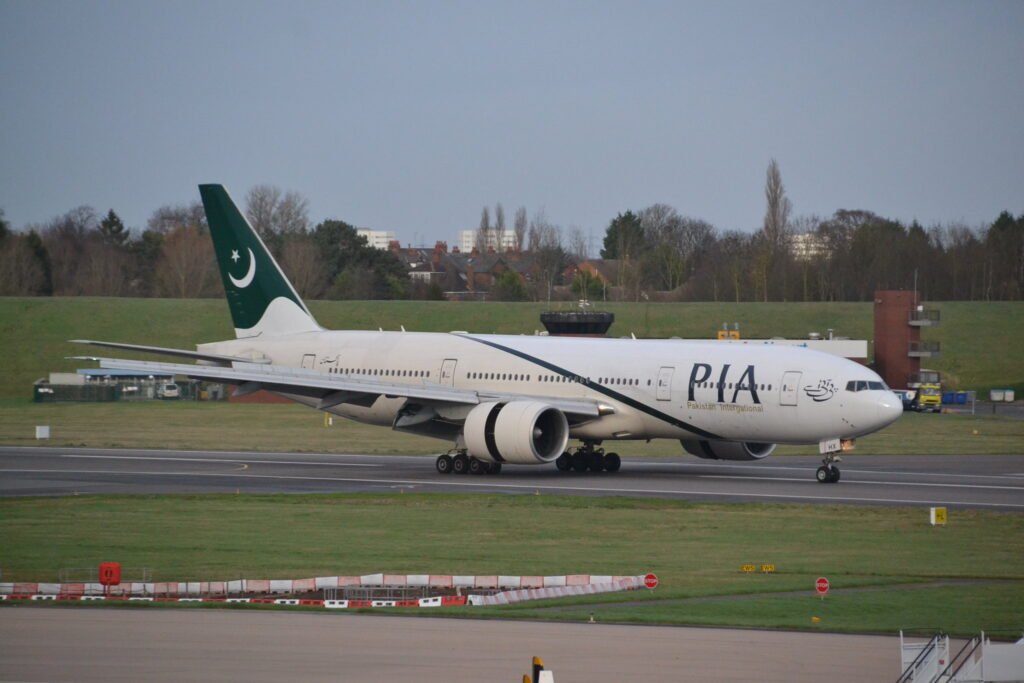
x,y
88,644
968,481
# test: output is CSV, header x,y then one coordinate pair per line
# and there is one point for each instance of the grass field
x,y
294,428
697,551
978,339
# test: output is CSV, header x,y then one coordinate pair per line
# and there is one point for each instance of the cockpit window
x,y
862,385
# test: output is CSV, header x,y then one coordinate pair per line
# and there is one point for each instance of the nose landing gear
x,y
828,473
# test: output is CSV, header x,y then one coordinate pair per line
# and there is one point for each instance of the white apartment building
x,y
467,240
378,239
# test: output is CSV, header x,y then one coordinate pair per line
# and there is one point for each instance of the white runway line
x,y
536,487
255,461
872,483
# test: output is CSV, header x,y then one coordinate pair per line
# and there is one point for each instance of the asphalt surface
x,y
110,645
979,481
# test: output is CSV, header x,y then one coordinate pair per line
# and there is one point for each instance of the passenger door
x,y
788,390
448,372
664,392
309,361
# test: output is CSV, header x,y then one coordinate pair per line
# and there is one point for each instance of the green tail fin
x,y
261,299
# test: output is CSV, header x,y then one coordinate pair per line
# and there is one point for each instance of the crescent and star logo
x,y
247,279
823,392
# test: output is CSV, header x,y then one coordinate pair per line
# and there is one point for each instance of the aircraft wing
x,y
332,390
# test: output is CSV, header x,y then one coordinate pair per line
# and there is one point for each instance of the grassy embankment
x,y
963,577
976,353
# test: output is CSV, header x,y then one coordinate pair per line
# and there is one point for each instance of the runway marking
x,y
872,483
533,487
770,467
232,461
57,451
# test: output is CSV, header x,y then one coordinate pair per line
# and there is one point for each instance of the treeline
x,y
845,257
83,254
655,253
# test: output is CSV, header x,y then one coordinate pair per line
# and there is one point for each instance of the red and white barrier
x,y
513,588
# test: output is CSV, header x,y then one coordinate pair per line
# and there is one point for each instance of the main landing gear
x,y
458,462
588,457
828,473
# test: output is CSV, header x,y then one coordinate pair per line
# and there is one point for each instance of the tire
x,y
612,462
579,462
595,462
477,466
833,475
444,464
460,464
494,468
564,462
822,475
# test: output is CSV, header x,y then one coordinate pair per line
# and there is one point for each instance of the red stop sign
x,y
821,585
650,581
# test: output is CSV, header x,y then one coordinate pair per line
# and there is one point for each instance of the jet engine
x,y
522,432
728,450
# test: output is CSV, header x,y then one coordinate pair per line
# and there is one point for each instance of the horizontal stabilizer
x,y
180,353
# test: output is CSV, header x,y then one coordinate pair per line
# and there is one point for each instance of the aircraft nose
x,y
888,409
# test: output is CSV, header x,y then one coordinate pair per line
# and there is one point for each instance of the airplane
x,y
518,400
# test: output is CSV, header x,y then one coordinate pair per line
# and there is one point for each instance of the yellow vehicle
x,y
929,397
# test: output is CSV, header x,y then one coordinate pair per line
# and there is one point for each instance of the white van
x,y
168,391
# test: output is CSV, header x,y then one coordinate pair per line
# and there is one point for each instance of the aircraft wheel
x,y
564,462
444,464
494,468
579,462
822,475
612,462
477,466
833,475
595,462
460,464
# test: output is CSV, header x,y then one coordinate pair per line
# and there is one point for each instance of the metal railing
x,y
922,657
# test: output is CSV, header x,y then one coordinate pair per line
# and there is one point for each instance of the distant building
x,y
467,240
378,239
807,246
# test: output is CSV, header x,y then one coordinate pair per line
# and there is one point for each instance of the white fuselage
x,y
652,388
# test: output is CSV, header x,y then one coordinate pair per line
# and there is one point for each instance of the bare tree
x,y
21,273
519,228
65,240
186,267
260,205
578,247
168,218
483,233
774,237
103,269
292,214
549,255
499,227
305,267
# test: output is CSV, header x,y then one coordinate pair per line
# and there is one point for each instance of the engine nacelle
x,y
728,450
522,432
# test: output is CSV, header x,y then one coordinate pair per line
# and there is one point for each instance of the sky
x,y
412,116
